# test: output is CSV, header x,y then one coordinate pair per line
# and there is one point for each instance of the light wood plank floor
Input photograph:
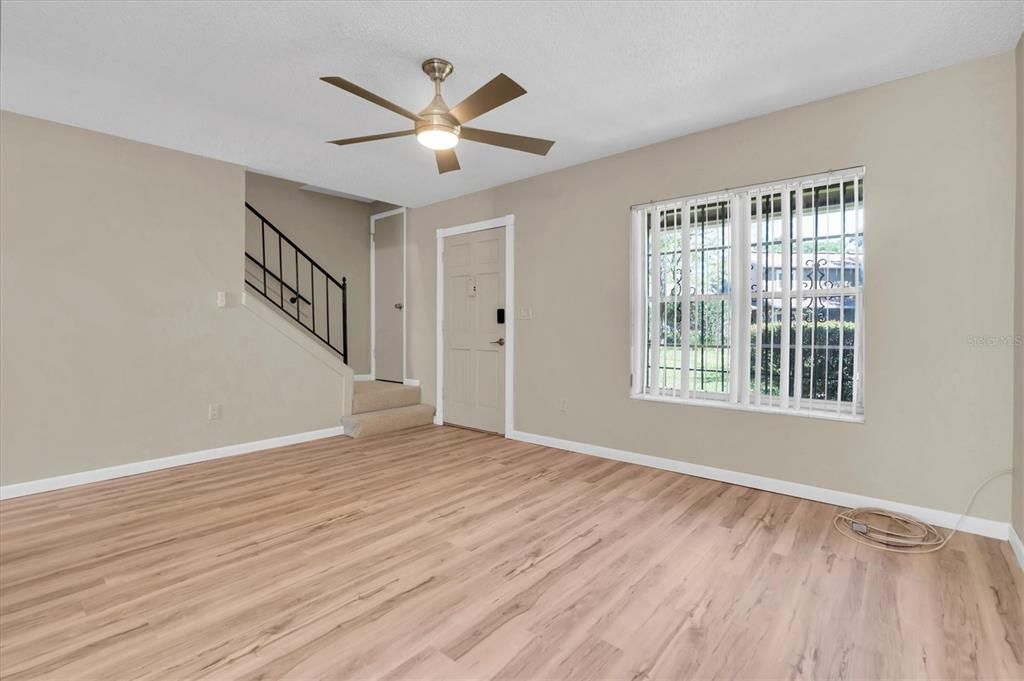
x,y
448,554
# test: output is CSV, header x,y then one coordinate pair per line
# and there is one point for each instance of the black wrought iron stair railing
x,y
291,280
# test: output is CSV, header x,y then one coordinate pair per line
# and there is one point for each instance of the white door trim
x,y
1017,545
373,291
508,222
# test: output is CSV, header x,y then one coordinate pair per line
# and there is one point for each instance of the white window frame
x,y
738,395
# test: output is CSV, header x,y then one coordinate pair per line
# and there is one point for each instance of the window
x,y
753,297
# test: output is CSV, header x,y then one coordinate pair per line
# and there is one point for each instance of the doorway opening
x,y
387,296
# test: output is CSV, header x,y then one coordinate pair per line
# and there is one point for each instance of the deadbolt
x,y
399,306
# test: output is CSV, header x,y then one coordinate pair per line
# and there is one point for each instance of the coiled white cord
x,y
901,533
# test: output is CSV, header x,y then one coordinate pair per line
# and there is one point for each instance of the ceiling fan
x,y
440,128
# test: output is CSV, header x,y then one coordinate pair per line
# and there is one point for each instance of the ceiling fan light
x,y
437,138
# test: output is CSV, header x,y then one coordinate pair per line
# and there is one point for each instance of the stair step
x,y
370,396
388,420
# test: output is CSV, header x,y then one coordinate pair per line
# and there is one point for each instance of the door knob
x,y
500,341
399,306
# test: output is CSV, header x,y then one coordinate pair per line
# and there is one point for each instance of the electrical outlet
x,y
213,412
563,405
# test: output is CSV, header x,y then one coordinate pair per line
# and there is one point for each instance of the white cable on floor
x,y
909,535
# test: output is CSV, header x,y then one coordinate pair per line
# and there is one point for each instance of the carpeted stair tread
x,y
370,396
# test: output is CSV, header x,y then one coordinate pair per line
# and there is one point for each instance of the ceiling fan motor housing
x,y
438,122
436,116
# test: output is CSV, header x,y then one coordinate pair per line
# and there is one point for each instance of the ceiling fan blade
x,y
499,90
447,161
369,96
370,138
532,145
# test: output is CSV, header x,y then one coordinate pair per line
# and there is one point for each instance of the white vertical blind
x,y
758,289
655,334
743,281
754,296
858,351
639,294
842,303
784,304
688,218
798,290
738,291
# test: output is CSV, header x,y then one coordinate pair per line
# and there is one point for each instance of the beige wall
x,y
940,214
381,207
333,231
111,343
1018,421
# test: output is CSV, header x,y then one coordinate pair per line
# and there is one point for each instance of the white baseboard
x,y
363,377
971,524
21,489
1018,547
415,382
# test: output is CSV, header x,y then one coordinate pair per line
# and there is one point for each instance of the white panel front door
x,y
474,361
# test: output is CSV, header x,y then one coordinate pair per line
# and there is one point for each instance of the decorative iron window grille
x,y
753,297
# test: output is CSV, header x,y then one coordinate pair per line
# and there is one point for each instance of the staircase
x,y
284,274
381,407
277,269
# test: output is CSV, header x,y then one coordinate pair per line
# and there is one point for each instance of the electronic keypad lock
x,y
501,315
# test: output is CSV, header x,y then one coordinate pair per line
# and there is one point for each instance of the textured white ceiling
x,y
238,81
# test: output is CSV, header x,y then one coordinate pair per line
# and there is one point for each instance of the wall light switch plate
x,y
213,412
526,312
222,298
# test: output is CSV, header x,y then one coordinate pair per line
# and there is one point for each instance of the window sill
x,y
826,416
